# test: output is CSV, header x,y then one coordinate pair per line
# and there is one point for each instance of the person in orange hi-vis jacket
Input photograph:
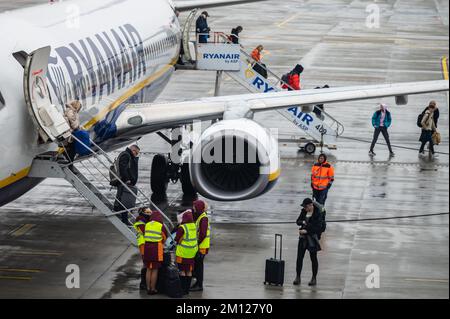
x,y
322,178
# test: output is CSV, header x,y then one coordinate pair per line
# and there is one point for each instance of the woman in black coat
x,y
310,222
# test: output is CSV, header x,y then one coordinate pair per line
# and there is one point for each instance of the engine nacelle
x,y
235,160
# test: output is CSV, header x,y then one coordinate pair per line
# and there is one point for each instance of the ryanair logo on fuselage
x,y
97,66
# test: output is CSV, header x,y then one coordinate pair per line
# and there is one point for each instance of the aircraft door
x,y
49,122
188,54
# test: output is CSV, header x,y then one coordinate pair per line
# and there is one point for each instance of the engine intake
x,y
235,160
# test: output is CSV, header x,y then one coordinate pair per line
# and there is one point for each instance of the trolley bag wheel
x,y
186,184
310,148
159,179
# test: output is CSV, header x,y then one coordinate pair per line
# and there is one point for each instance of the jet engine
x,y
234,160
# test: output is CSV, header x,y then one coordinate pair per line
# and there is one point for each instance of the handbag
x,y
436,138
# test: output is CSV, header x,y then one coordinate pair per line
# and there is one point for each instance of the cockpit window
x,y
2,101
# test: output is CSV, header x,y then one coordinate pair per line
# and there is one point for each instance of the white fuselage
x,y
105,53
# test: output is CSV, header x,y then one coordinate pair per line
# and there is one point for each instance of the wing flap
x,y
140,119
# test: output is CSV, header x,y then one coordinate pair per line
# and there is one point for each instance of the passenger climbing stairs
x,y
90,175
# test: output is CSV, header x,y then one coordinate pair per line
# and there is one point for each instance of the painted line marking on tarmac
x,y
22,230
445,67
444,281
288,20
37,253
444,63
15,278
20,270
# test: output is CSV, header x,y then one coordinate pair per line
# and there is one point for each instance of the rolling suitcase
x,y
169,282
129,199
275,267
83,137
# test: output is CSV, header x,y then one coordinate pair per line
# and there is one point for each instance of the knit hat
x,y
306,202
298,69
199,206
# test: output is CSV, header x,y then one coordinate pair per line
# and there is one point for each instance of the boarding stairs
x,y
89,175
318,124
321,127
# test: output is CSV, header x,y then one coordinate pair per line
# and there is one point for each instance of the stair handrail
x,y
339,129
118,178
129,210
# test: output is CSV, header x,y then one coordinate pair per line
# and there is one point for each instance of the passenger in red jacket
x,y
293,78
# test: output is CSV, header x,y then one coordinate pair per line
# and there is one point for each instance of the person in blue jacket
x,y
381,121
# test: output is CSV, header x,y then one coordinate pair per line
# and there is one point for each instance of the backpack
x,y
420,118
115,171
285,78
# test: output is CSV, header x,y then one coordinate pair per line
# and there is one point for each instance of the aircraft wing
x,y
195,4
142,119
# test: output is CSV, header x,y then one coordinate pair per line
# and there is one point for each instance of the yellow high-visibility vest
x,y
188,246
205,244
139,235
153,232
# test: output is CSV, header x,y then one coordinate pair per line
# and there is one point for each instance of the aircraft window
x,y
88,85
135,120
2,101
69,92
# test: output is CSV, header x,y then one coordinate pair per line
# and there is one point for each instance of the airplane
x,y
116,59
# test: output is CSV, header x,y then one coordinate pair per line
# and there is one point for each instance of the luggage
x,y
285,78
261,69
84,137
436,138
275,267
128,199
169,282
167,258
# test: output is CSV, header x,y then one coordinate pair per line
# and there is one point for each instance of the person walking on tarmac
x,y
381,120
187,248
428,128
139,225
258,66
310,222
129,174
322,178
155,236
202,29
204,237
292,79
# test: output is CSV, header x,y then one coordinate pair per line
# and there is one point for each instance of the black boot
x,y
188,285
313,282
297,280
143,284
184,285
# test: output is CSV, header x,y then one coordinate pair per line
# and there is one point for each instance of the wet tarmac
x,y
52,226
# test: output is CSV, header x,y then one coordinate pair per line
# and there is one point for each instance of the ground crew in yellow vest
x,y
139,226
204,240
155,236
187,247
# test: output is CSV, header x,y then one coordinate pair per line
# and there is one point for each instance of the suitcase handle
x,y
281,245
